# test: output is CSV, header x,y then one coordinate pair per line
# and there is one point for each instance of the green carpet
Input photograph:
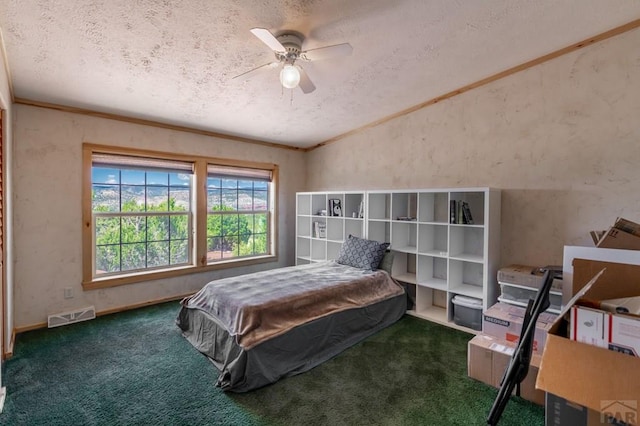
x,y
136,368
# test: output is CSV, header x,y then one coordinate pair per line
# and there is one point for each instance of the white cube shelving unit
x,y
435,258
311,247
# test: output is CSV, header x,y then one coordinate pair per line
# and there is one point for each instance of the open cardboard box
x,y
624,234
618,239
489,357
594,377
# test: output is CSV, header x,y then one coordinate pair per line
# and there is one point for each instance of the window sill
x,y
114,281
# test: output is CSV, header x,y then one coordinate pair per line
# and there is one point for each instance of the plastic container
x,y
467,311
519,295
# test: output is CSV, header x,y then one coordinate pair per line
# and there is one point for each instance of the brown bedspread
x,y
256,307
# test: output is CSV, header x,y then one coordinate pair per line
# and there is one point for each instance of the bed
x,y
261,327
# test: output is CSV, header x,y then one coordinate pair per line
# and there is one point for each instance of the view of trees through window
x,y
237,220
142,219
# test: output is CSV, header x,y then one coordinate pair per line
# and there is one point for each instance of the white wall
x,y
48,226
561,139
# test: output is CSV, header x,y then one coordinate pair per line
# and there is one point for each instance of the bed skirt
x,y
294,352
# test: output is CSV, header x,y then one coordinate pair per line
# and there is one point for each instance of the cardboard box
x,y
618,239
596,378
570,287
627,226
559,411
487,360
504,321
527,276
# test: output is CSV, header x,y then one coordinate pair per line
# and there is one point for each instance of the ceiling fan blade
x,y
247,74
269,39
306,85
343,49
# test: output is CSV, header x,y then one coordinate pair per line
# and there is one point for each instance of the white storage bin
x,y
467,311
520,295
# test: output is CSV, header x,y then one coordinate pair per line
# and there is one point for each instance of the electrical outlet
x,y
68,293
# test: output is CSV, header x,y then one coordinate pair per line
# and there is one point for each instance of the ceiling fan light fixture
x,y
290,76
287,48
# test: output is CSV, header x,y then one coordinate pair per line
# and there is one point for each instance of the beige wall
x,y
561,139
47,185
6,310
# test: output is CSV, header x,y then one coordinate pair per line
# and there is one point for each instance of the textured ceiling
x,y
173,61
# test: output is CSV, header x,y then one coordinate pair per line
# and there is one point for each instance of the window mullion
x,y
146,241
120,245
200,213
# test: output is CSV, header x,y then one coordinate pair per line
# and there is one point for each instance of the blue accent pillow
x,y
361,253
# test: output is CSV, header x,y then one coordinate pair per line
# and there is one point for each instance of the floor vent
x,y
70,317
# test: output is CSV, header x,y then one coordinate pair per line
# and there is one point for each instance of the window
x,y
237,212
146,216
141,213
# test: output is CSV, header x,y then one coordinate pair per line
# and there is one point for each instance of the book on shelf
x,y
319,230
361,210
460,213
453,211
466,212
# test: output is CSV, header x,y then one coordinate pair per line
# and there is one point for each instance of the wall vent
x,y
64,318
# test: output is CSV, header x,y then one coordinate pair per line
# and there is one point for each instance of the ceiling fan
x,y
288,50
